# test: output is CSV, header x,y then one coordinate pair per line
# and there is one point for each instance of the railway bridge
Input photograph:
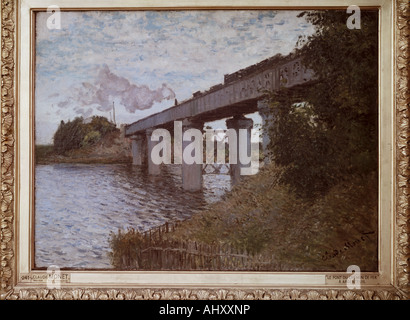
x,y
242,92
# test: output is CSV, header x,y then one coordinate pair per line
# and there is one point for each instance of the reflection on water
x,y
78,205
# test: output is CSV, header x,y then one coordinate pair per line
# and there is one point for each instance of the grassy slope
x,y
262,217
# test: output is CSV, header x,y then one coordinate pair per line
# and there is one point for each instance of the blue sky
x,y
143,60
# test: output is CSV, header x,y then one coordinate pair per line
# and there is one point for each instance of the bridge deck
x,y
237,95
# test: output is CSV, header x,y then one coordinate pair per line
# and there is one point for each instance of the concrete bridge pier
x,y
236,123
153,169
267,121
192,172
138,150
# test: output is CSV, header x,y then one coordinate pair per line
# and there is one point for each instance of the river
x,y
77,206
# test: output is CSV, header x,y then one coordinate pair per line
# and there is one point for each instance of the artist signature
x,y
347,245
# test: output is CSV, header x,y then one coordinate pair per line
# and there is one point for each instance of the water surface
x,y
78,205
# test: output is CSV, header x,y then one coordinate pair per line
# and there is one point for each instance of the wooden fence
x,y
156,252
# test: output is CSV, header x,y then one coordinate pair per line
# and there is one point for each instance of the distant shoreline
x,y
44,154
83,161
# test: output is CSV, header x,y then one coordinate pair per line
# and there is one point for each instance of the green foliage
x,y
42,151
100,124
69,135
75,134
334,133
91,138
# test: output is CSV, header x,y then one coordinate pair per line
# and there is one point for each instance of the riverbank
x,y
262,217
111,149
84,160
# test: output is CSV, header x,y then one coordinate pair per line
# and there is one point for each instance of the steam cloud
x,y
108,86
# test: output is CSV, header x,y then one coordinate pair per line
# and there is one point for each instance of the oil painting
x,y
218,140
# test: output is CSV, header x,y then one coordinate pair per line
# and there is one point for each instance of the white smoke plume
x,y
108,86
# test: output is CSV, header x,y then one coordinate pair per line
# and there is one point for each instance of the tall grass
x,y
263,217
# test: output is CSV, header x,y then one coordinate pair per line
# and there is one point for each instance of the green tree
x,y
102,125
333,134
69,135
76,134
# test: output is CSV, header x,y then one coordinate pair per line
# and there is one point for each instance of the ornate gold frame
x,y
11,286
